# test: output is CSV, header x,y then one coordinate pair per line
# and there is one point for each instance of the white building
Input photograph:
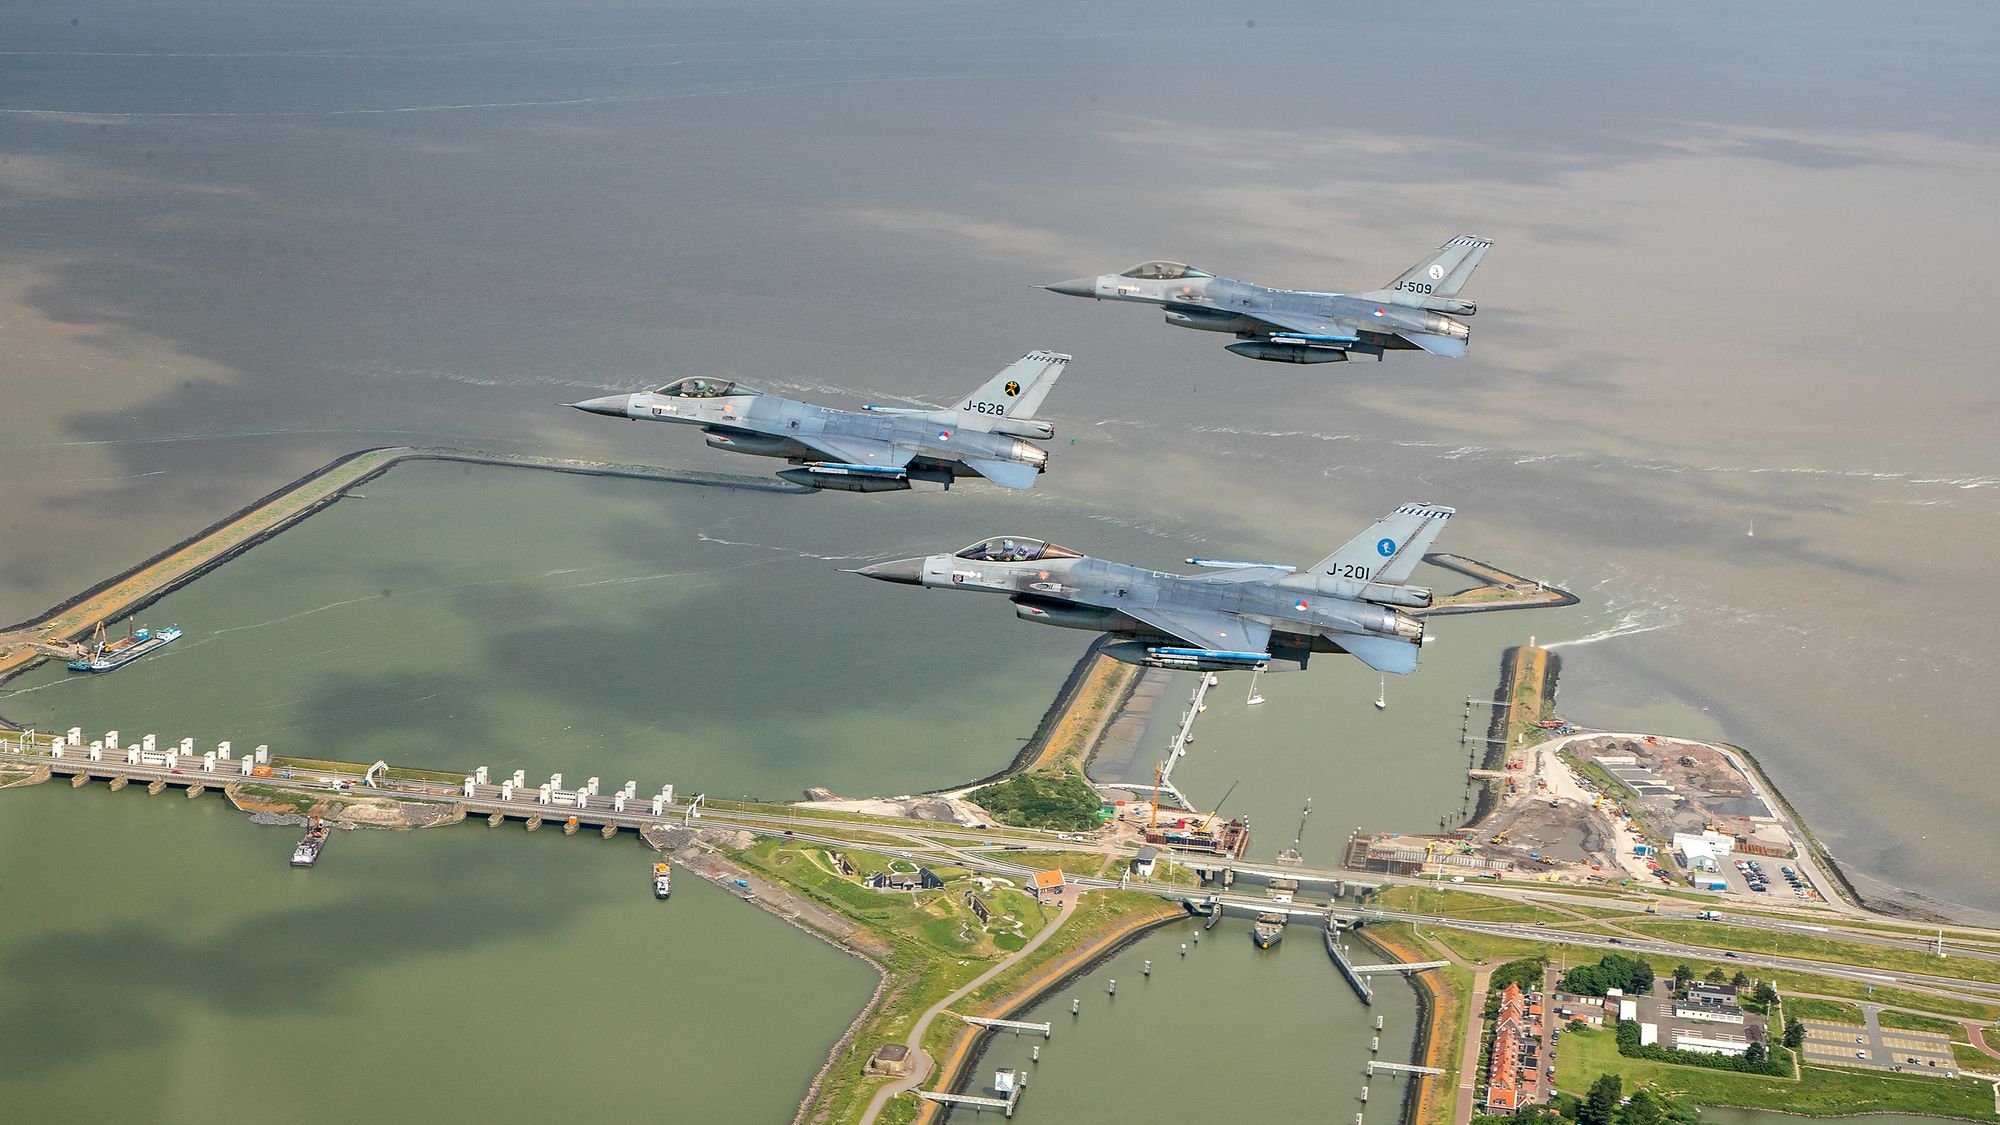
x,y
1711,1042
1703,852
1709,1015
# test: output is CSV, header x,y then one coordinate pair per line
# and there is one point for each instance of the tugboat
x,y
103,657
1269,930
307,853
663,879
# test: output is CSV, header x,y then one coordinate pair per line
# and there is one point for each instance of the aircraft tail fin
x,y
1014,393
1389,551
1444,273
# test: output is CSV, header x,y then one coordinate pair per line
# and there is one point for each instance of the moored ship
x,y
663,879
1269,930
103,656
307,853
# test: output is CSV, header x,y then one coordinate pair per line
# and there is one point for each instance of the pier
x,y
1354,980
1004,1105
1400,967
1401,1068
1016,1026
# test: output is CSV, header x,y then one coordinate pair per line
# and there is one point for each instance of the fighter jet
x,y
1247,615
876,448
1417,310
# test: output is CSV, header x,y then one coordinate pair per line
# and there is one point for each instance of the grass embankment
x,y
1828,1011
1449,903
1450,998
930,943
1100,922
323,765
1481,948
1525,706
1910,1021
1818,1092
1814,948
1052,791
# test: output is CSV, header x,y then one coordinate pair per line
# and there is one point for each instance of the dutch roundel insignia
x,y
1012,388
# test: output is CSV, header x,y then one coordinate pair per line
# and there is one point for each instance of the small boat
x,y
103,656
663,880
1269,930
307,853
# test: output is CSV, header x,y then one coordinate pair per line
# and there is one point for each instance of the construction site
x,y
1574,806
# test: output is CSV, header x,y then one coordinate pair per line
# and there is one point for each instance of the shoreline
x,y
961,1061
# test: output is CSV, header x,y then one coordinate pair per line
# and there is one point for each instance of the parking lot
x,y
1877,1048
1778,889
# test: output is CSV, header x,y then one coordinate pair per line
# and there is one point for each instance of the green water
x,y
1229,1032
1319,735
164,964
461,616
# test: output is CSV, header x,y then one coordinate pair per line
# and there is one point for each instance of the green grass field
x,y
1814,948
1819,1092
1910,1021
1829,1011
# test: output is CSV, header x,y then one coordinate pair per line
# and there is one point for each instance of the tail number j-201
x,y
1350,570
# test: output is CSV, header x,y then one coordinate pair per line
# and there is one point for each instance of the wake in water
x,y
705,537
1628,625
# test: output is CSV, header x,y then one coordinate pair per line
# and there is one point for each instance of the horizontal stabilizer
x,y
1384,654
1006,474
1451,347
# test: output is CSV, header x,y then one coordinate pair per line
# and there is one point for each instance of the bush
x,y
1527,973
1615,970
1776,1062
1041,800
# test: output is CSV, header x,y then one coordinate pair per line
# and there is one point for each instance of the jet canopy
x,y
1164,271
1014,548
701,387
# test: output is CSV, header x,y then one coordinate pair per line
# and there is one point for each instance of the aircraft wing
x,y
1317,327
1222,632
859,451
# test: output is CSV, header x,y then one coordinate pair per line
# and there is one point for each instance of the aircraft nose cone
x,y
1075,287
909,572
612,406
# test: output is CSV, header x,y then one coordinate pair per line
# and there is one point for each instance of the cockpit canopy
x,y
702,387
1164,271
1014,548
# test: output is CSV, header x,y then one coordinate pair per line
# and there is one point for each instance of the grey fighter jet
x,y
1418,310
1246,615
876,448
